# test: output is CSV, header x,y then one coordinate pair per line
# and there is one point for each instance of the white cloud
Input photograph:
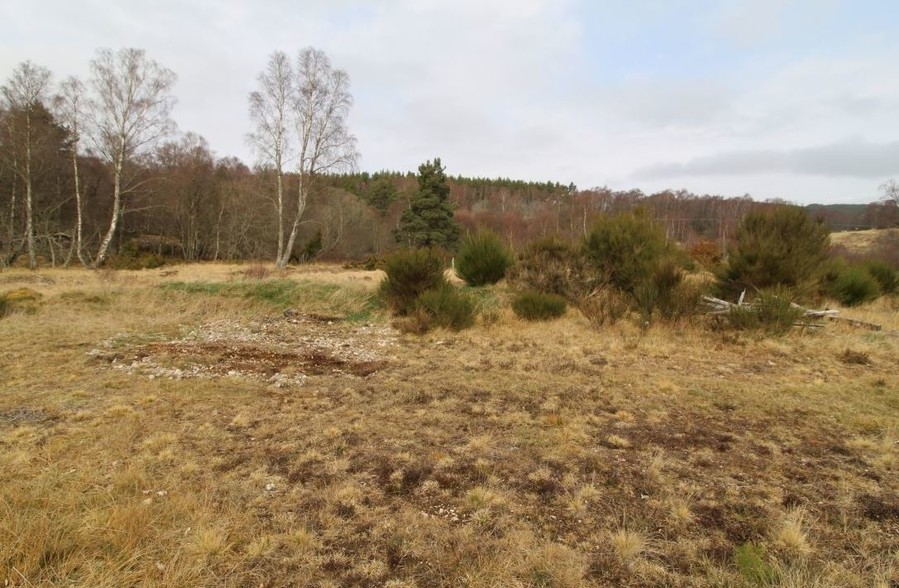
x,y
850,159
515,88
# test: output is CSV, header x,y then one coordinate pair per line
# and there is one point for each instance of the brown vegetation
x,y
523,454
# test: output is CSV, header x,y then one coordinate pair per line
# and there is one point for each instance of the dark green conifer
x,y
429,222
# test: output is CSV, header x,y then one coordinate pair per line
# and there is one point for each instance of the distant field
x,y
864,242
224,425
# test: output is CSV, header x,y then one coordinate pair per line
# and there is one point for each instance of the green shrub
x,y
4,307
666,295
374,262
538,306
138,262
832,269
626,250
631,256
449,308
483,259
749,559
887,278
135,255
410,273
778,247
313,246
553,266
772,312
855,286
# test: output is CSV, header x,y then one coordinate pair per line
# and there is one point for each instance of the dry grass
x,y
514,455
862,242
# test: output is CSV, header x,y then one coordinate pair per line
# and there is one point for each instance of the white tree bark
x,y
70,110
131,110
321,105
270,111
25,91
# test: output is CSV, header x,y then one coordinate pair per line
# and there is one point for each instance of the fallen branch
x,y
718,307
857,323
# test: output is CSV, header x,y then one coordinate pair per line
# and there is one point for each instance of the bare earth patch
x,y
283,351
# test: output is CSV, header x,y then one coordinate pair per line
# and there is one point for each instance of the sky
x,y
789,99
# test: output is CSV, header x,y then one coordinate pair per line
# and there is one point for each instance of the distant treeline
x,y
90,174
190,205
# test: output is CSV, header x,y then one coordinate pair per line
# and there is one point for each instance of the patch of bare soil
x,y
283,351
24,415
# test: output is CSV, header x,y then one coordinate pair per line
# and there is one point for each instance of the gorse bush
x,y
538,306
626,250
855,286
779,247
448,307
630,255
666,294
483,259
410,273
416,290
887,278
553,266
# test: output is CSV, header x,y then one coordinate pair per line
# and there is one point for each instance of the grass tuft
x,y
628,544
791,536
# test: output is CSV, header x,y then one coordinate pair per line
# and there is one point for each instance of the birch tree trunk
x,y
25,91
130,112
79,209
321,104
302,195
270,111
116,214
69,105
29,197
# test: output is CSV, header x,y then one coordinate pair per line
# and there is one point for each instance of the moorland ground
x,y
177,427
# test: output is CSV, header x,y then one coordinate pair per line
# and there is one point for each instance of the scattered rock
x,y
282,353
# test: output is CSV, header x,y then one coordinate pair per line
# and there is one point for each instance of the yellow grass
x,y
505,455
861,242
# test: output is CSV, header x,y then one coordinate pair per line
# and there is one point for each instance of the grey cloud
x,y
847,159
667,103
865,105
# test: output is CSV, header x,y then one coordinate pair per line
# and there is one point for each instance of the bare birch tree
x,y
70,104
890,191
271,111
130,112
24,93
322,102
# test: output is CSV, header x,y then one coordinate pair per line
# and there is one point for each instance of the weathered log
x,y
857,323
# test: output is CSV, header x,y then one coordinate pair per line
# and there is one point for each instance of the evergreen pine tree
x,y
429,222
382,194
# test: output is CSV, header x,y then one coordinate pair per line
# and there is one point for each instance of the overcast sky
x,y
792,99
